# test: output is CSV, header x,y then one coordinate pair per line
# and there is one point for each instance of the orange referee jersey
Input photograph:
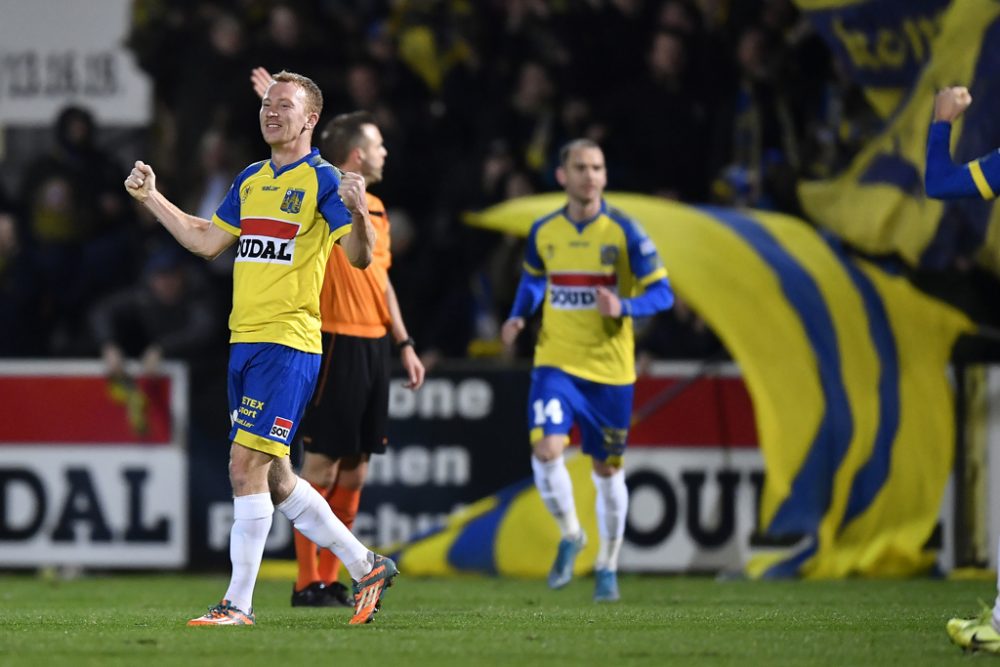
x,y
352,301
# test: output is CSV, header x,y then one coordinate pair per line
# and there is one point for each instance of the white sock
x,y
251,523
612,510
311,515
553,482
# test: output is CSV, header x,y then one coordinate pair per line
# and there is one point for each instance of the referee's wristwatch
x,y
406,342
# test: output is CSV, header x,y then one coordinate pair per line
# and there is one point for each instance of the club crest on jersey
x,y
267,241
281,428
609,255
292,203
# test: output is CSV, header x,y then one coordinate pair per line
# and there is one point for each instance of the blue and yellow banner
x,y
509,533
877,204
881,44
846,365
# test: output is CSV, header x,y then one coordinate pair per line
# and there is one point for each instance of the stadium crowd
x,y
695,100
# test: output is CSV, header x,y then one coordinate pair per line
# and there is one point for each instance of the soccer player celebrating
x,y
345,421
594,269
285,213
946,180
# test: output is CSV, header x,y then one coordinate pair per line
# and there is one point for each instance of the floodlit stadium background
x,y
805,411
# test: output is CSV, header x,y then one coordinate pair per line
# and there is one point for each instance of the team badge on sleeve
x,y
281,428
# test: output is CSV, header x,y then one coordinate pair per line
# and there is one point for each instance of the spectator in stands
x,y
78,226
18,335
763,143
168,315
669,122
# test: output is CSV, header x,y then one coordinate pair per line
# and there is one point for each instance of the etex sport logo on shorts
x,y
267,240
281,428
576,291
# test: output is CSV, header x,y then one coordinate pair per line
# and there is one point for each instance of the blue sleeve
x,y
656,297
643,259
645,264
530,292
943,179
229,209
531,289
328,201
533,263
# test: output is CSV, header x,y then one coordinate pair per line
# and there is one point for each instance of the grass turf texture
x,y
139,620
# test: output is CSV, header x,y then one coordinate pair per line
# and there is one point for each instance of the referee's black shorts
x,y
349,410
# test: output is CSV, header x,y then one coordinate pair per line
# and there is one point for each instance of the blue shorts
x,y
269,386
601,411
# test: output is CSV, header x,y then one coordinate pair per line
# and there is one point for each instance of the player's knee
x,y
607,468
319,470
239,475
352,478
323,478
280,479
548,449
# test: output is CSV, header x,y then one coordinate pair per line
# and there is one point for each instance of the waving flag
x,y
882,44
845,363
509,533
911,48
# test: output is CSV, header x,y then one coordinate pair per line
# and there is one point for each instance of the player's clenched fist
x,y
608,303
510,329
141,181
949,103
352,191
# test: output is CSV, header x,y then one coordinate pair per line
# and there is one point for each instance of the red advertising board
x,y
84,410
687,405
92,473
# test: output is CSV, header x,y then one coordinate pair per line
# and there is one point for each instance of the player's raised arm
x,y
359,242
196,234
943,179
260,79
950,103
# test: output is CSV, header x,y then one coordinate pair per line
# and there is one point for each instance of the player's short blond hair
x,y
574,145
314,96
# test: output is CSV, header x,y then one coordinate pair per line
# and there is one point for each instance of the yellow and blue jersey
x,y
287,220
575,258
946,180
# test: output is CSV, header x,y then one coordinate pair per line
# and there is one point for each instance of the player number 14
x,y
552,409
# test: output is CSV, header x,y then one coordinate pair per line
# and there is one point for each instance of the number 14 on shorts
x,y
548,411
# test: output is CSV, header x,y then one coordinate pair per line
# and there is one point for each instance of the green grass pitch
x,y
139,620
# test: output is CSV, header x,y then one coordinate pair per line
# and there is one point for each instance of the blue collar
x,y
583,223
292,165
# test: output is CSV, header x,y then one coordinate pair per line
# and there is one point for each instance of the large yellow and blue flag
x,y
901,52
882,45
847,368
